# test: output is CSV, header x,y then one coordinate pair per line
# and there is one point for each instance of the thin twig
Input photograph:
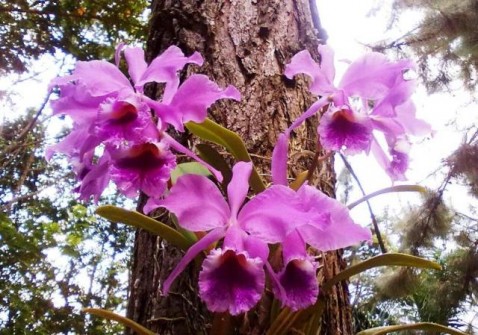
x,y
34,120
372,215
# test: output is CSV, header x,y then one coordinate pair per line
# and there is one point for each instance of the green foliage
x,y
445,40
463,164
425,223
85,29
55,256
394,296
441,299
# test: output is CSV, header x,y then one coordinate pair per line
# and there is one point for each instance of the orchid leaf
x,y
427,326
121,319
216,160
139,220
392,189
213,132
389,259
189,168
282,323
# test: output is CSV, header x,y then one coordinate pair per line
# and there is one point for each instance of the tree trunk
x,y
245,43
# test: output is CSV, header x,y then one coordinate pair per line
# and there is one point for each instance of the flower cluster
x,y
119,135
232,276
115,136
373,95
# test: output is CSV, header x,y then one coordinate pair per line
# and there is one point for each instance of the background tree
x,y
445,41
55,256
85,29
434,230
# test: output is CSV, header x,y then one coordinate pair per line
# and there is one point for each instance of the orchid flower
x,y
319,221
370,80
108,110
232,277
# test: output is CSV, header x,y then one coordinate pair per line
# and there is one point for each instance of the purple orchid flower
x,y
319,221
108,110
98,93
370,80
199,206
232,277
314,219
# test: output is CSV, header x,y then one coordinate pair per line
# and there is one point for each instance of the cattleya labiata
x,y
115,137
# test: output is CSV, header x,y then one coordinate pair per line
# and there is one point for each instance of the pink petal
x,y
406,116
372,76
322,81
101,78
197,203
191,101
136,63
75,102
193,251
399,94
271,215
279,161
329,225
327,61
164,69
118,50
238,186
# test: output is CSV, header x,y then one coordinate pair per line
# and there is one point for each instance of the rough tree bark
x,y
245,43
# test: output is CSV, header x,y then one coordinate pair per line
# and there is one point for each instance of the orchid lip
x,y
231,280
